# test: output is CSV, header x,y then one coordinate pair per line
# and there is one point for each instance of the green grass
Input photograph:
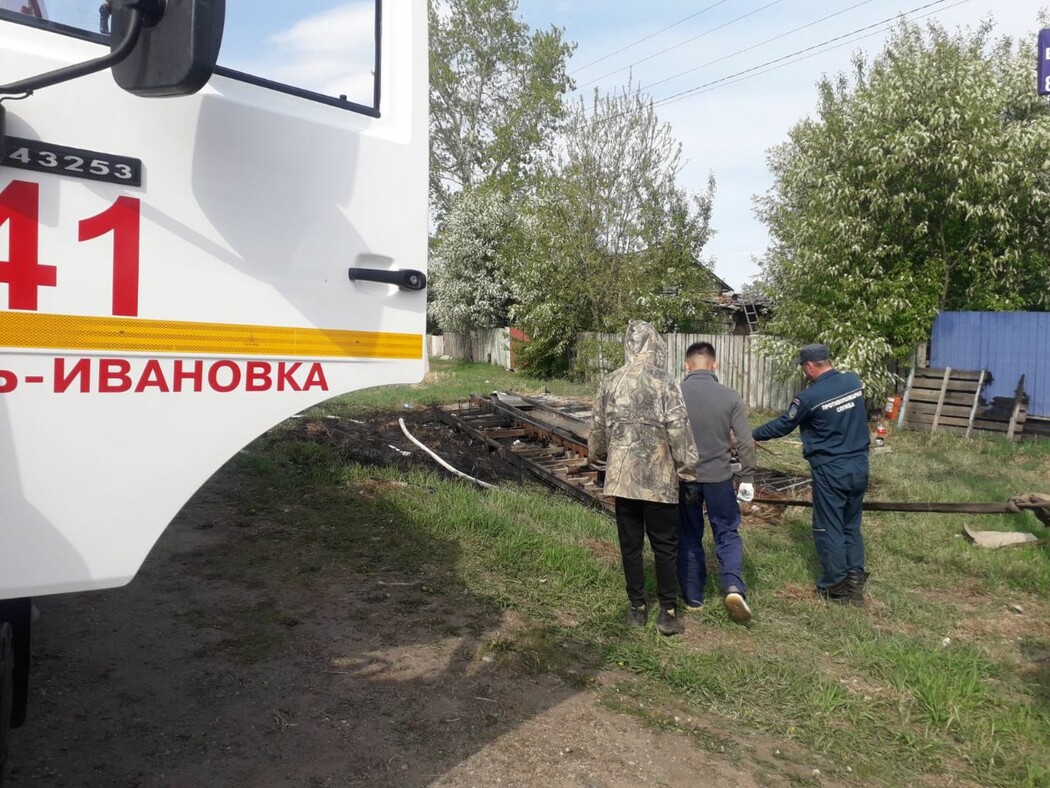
x,y
449,381
938,680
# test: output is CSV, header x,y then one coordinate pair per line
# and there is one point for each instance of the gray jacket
x,y
714,409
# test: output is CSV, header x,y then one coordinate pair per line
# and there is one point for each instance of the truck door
x,y
175,274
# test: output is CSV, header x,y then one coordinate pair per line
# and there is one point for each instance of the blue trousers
x,y
724,514
838,494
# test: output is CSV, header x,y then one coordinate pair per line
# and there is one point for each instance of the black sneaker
x,y
737,605
637,616
668,622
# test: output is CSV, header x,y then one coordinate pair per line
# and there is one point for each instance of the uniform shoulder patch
x,y
793,409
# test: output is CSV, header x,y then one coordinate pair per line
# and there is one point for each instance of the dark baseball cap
x,y
811,353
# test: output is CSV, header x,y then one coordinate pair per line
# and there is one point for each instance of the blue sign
x,y
1044,62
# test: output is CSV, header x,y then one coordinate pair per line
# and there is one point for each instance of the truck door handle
x,y
408,279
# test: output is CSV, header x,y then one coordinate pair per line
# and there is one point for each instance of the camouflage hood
x,y
639,425
643,345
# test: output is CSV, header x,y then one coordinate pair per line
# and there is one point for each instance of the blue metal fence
x,y
1007,344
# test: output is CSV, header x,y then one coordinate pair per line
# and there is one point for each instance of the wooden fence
x,y
489,346
740,366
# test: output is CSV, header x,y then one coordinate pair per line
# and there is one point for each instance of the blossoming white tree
x,y
470,281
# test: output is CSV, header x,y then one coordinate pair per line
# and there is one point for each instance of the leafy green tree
x,y
920,185
470,285
609,235
495,95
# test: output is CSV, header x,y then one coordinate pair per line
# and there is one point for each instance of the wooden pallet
x,y
1036,428
949,400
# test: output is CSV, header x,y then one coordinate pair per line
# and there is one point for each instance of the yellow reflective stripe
x,y
70,332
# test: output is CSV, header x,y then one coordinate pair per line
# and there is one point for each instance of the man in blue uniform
x,y
831,417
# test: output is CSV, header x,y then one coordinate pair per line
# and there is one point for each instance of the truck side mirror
x,y
176,51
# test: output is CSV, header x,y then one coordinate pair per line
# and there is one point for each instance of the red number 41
x,y
23,272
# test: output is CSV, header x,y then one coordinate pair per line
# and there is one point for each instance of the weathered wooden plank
x,y
948,409
960,386
1036,427
1000,416
485,422
975,431
926,419
528,453
1018,404
991,426
565,464
976,402
929,419
540,473
940,401
906,400
957,396
956,374
499,433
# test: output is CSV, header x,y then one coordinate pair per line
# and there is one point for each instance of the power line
x,y
651,35
756,46
683,43
887,21
721,83
775,63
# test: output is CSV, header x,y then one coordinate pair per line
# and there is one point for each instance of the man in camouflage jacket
x,y
641,432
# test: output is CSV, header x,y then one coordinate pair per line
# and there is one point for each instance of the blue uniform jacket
x,y
831,416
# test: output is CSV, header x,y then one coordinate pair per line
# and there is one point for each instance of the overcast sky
x,y
728,128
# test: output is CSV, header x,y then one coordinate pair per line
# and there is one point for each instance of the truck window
x,y
34,8
323,50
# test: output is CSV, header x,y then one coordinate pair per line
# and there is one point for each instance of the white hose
x,y
441,462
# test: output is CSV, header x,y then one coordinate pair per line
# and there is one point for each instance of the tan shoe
x,y
737,607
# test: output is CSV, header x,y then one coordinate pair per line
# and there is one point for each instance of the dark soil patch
x,y
377,439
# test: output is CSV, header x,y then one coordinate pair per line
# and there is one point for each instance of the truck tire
x,y
7,670
18,613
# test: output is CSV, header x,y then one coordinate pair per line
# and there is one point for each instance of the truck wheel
x,y
7,670
18,614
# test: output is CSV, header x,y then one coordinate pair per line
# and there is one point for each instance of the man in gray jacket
x,y
716,413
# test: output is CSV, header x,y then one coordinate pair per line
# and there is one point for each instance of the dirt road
x,y
240,657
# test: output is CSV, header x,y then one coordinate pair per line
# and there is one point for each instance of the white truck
x,y
189,254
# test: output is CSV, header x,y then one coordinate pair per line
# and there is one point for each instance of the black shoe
x,y
637,616
668,622
857,579
839,594
737,605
